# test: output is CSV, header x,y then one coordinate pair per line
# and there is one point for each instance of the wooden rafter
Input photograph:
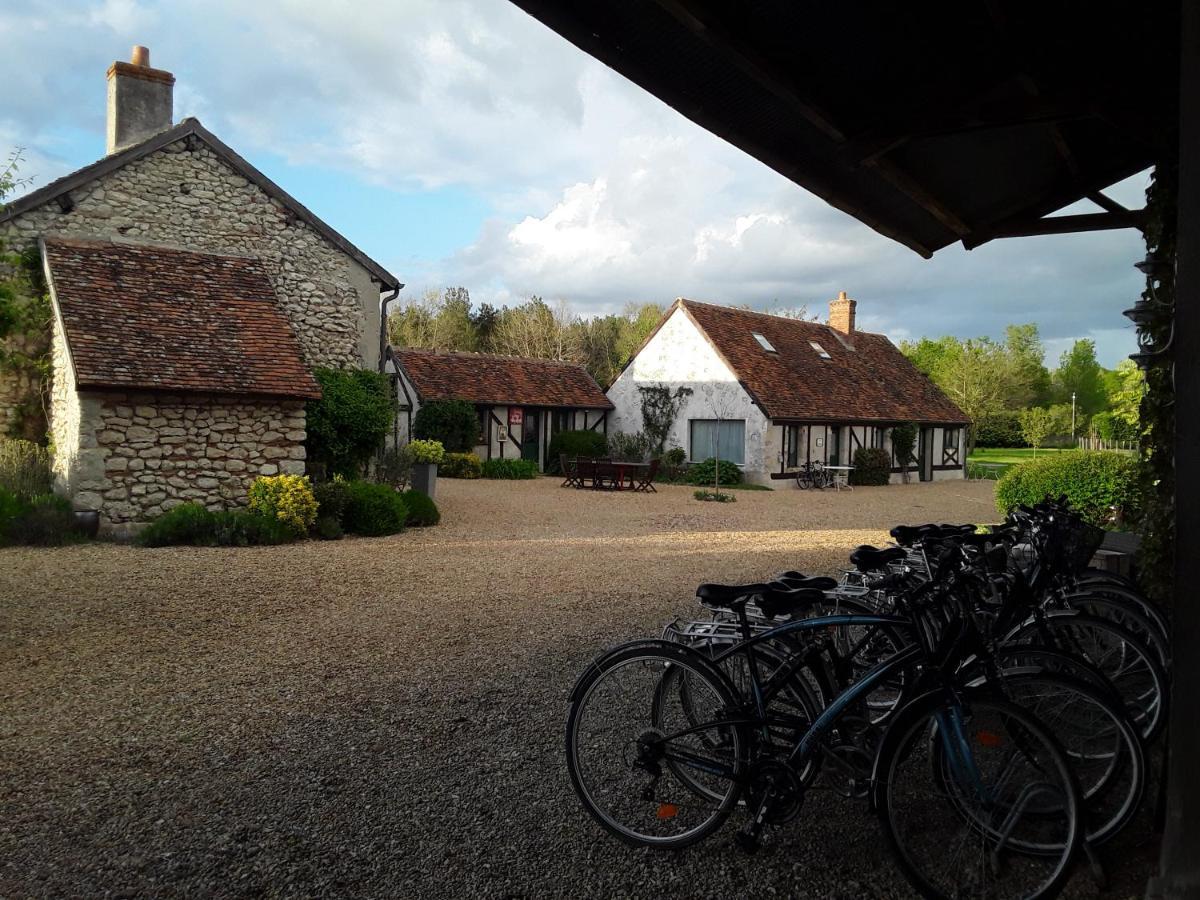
x,y
1104,221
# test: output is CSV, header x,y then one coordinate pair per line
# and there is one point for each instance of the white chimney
x,y
140,101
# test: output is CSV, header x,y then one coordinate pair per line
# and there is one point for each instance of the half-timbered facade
x,y
521,403
772,393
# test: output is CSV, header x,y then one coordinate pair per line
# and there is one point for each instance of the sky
x,y
460,142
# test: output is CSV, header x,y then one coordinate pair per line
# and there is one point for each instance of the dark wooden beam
x,y
1106,203
1106,221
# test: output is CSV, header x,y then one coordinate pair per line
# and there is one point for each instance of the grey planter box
x,y
424,478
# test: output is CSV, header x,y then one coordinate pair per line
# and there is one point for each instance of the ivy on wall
x,y
1156,558
25,318
660,408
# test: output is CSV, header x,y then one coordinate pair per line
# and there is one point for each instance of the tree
x,y
536,330
1078,373
972,379
435,321
1027,362
930,355
1127,385
904,443
640,321
1036,425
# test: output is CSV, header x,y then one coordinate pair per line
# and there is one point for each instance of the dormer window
x,y
821,352
763,342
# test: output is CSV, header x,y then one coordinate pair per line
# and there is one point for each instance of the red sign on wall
x,y
515,415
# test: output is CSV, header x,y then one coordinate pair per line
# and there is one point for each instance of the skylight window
x,y
821,352
763,342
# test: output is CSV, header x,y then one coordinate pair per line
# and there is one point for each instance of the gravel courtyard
x,y
384,717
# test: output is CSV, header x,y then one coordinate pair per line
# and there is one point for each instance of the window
x,y
820,350
792,441
561,420
763,342
950,439
725,439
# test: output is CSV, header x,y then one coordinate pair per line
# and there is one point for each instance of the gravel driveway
x,y
384,717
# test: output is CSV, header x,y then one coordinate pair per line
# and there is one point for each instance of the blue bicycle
x,y
975,796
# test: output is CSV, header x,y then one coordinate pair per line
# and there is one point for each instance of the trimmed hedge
x,y
1093,481
706,472
574,443
422,511
373,509
461,465
510,469
452,422
872,466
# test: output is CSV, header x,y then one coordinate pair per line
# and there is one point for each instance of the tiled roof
x,y
480,378
190,128
865,378
151,317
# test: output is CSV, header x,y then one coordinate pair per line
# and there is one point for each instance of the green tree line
x,y
1012,397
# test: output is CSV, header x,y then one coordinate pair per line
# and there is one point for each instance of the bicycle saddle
x,y
907,535
871,559
775,602
795,581
726,596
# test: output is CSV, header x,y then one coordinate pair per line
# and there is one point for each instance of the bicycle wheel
x,y
1127,609
1114,651
977,800
803,480
1102,745
624,755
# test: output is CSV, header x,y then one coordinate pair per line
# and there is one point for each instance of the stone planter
x,y
424,478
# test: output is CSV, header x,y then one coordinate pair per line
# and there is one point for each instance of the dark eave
x,y
933,123
192,128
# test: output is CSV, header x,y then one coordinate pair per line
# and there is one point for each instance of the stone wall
x,y
142,454
186,195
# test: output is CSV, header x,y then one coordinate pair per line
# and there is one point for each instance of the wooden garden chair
x,y
570,470
645,480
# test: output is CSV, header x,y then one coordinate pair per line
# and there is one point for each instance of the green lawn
x,y
1004,456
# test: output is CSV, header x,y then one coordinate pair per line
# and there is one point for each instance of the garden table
x,y
841,476
632,468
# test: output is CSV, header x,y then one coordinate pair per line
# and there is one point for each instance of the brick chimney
x,y
139,101
841,313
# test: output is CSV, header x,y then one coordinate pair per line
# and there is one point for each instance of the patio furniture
x,y
605,475
986,471
841,477
570,470
645,482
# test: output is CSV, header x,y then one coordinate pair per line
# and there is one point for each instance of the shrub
x,y
672,466
195,525
328,528
1000,429
427,452
395,467
574,443
350,421
707,472
633,447
714,496
872,466
510,469
11,508
1093,482
373,509
188,523
332,498
461,465
288,498
904,445
452,422
422,511
44,520
25,469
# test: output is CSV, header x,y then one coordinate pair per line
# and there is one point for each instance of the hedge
x,y
422,511
461,465
574,443
872,466
452,422
194,524
510,469
1093,481
373,509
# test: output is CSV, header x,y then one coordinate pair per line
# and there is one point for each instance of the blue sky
x,y
461,142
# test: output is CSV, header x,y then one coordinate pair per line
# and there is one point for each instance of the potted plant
x,y
425,456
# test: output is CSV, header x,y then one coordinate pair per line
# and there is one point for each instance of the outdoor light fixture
x,y
1145,311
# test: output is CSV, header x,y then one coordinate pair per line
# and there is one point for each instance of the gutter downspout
x,y
383,305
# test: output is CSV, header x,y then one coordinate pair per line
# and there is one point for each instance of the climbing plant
x,y
1156,556
660,408
904,442
24,326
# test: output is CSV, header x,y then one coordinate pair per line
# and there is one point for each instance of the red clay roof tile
x,y
865,378
141,316
481,378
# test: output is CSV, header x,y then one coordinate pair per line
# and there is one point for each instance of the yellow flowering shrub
x,y
288,498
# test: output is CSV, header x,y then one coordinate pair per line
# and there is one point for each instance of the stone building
x,y
773,394
192,297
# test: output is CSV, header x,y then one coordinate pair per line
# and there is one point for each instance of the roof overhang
x,y
933,123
